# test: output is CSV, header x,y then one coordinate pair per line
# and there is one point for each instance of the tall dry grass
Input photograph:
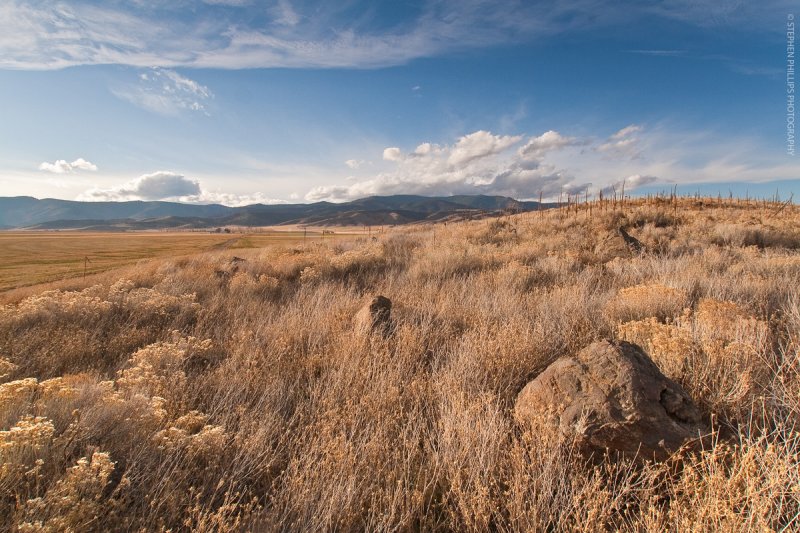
x,y
190,395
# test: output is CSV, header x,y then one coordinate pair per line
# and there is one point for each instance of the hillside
x,y
24,211
214,393
30,213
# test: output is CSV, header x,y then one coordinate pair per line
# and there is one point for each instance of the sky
x,y
245,101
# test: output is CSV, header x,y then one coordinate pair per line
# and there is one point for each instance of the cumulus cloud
x,y
166,92
537,147
629,183
167,185
478,163
392,154
625,143
232,200
61,166
637,180
486,163
156,186
478,145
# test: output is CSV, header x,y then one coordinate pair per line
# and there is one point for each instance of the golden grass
x,y
30,258
164,396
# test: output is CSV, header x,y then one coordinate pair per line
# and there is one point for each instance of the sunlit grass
x,y
30,258
197,393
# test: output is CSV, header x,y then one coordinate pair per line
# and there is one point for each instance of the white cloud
x,y
166,92
637,180
354,163
229,3
156,186
552,163
624,143
626,132
629,183
49,34
478,163
167,185
231,199
548,141
479,145
285,15
392,154
61,166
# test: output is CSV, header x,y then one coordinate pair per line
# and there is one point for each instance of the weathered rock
x,y
374,317
633,244
618,243
611,396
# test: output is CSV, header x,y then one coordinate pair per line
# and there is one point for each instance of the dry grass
x,y
178,398
29,258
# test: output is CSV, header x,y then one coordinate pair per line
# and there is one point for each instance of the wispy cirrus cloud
x,y
662,53
235,34
355,163
166,92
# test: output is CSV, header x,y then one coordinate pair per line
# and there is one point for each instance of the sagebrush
x,y
168,396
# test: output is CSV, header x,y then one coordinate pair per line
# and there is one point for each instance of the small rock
x,y
611,396
618,243
374,317
634,244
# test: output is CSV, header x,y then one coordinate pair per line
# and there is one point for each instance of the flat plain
x,y
30,258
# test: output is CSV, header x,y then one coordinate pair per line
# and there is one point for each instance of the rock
x,y
611,396
633,244
374,317
618,243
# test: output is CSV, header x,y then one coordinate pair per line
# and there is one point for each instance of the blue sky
x,y
241,101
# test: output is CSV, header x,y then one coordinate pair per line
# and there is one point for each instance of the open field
x,y
204,394
30,258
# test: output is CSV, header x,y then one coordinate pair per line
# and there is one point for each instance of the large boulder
x,y
374,317
611,396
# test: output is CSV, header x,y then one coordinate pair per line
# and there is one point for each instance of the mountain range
x,y
25,212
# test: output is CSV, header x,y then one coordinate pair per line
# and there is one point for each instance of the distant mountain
x,y
23,211
30,213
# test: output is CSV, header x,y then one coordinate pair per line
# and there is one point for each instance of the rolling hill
x,y
30,213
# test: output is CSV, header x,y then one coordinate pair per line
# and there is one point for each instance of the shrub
x,y
176,398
